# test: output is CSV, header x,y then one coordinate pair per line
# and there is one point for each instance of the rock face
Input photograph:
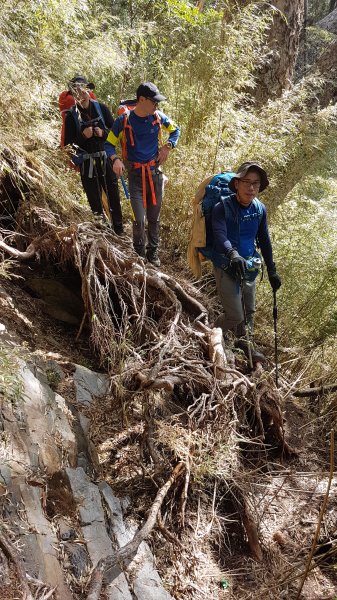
x,y
64,521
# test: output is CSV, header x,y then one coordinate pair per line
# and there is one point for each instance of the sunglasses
x,y
153,101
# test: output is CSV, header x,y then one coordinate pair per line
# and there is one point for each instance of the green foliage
x,y
205,63
10,385
6,269
305,239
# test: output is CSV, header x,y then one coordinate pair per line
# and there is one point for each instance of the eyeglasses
x,y
247,183
153,101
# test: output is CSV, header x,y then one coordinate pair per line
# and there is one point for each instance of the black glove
x,y
237,263
274,278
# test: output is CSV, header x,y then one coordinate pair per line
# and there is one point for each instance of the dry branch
x,y
315,391
130,549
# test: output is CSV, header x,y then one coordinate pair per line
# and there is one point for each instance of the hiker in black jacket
x,y
87,125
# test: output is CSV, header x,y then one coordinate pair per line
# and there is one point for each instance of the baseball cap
x,y
150,90
79,81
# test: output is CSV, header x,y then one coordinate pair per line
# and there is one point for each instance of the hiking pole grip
x,y
275,337
126,191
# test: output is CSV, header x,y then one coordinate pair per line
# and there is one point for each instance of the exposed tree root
x,y
151,333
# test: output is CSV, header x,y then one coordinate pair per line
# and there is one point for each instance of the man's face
x,y
148,105
81,95
247,187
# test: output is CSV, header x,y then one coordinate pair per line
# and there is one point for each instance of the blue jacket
x,y
145,132
241,228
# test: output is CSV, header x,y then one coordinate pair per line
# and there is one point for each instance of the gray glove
x,y
237,263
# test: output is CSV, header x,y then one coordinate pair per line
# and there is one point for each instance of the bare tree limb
x,y
129,549
315,391
29,253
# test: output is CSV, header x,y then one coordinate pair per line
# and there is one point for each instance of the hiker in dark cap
x,y
86,128
237,231
143,153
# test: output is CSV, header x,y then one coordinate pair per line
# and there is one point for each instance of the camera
x,y
254,263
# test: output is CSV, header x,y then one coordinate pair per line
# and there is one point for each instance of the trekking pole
x,y
126,191
100,191
249,348
127,196
275,337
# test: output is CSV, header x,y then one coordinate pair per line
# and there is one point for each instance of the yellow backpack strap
x,y
157,121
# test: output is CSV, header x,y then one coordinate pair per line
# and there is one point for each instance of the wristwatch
x,y
169,145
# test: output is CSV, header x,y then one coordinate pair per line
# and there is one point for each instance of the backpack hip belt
x,y
146,168
91,157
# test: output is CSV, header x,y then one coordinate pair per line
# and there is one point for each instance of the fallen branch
x,y
122,555
315,391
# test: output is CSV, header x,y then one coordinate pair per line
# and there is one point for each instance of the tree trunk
x,y
326,66
283,41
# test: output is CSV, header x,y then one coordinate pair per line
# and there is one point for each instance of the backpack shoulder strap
x,y
259,208
126,127
230,207
99,111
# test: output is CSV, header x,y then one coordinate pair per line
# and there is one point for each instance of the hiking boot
x,y
140,250
119,230
257,357
153,258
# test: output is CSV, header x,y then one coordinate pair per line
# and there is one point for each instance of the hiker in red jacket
x,y
87,124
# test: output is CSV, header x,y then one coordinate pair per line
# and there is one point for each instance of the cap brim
x,y
158,98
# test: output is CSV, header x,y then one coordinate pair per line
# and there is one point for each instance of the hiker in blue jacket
x,y
139,133
86,127
236,262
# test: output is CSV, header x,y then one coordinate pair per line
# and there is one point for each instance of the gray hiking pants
x,y
151,212
232,319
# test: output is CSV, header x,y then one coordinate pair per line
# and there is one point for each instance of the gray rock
x,y
121,532
89,385
146,582
87,496
140,570
99,546
44,426
58,300
41,551
78,559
